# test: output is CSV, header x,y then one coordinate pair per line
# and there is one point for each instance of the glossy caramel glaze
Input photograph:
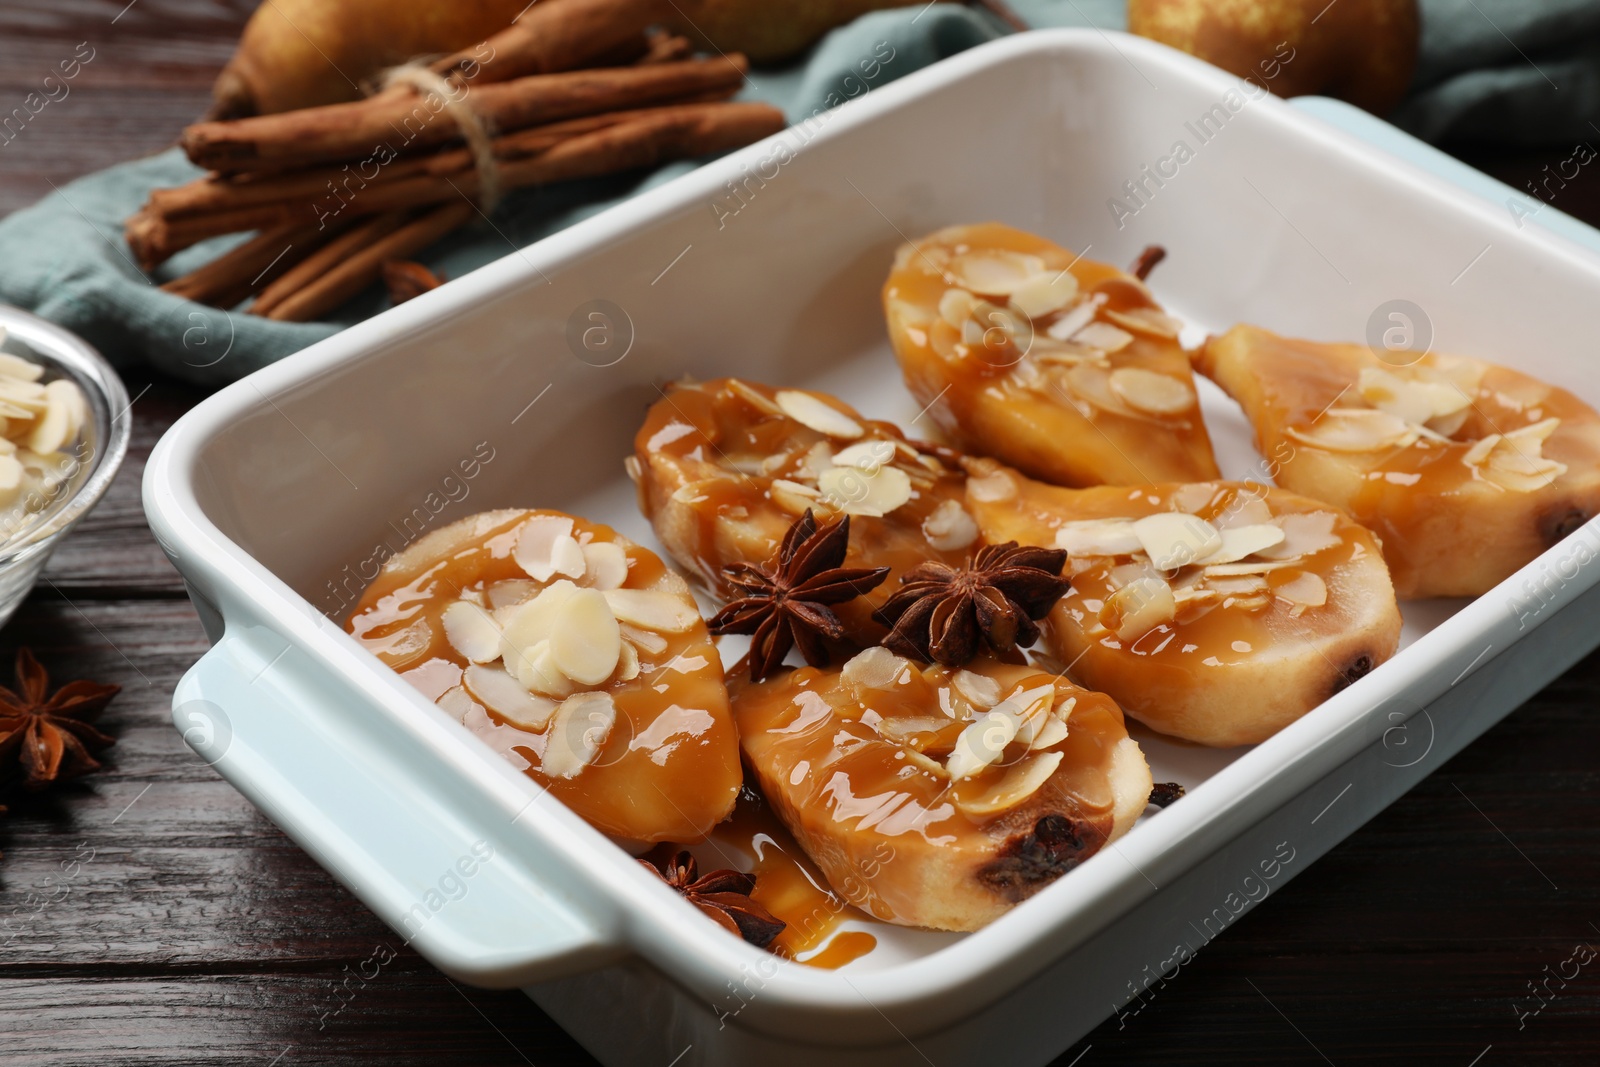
x,y
861,773
1042,405
712,462
669,767
1449,527
1229,667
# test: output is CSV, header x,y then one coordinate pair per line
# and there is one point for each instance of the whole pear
x,y
1362,51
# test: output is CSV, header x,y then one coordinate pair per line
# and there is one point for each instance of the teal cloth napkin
x,y
65,259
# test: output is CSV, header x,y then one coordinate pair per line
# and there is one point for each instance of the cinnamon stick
x,y
322,262
554,35
381,127
636,139
228,279
362,269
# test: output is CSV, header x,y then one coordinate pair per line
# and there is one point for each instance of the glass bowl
x,y
31,529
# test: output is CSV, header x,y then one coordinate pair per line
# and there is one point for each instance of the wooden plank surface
x,y
150,915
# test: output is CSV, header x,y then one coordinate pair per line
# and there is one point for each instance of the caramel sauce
x,y
994,398
850,771
709,443
790,887
669,768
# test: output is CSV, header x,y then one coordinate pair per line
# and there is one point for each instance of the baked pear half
x,y
573,652
1217,612
724,467
981,785
1064,368
1465,470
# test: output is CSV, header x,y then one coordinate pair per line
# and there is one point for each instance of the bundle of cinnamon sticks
x,y
333,193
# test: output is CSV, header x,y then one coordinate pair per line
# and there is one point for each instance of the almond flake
x,y
949,528
535,667
504,695
17,367
976,689
471,632
1304,533
1104,336
993,271
858,492
1231,570
754,397
648,640
536,547
1019,783
1053,732
1172,539
456,702
1045,292
51,430
1148,321
808,411
1356,430
1139,607
605,564
586,641
1479,452
992,486
874,668
980,744
917,759
1304,590
511,592
1069,324
1098,537
10,479
1241,541
865,455
579,729
1416,399
1157,394
1030,708
627,664
1239,585
956,307
653,609
1247,509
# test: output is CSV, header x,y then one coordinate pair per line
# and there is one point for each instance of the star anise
x,y
50,738
944,614
785,601
724,896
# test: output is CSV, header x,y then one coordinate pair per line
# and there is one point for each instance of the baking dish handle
x,y
348,794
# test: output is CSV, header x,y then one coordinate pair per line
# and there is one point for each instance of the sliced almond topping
x,y
1356,430
51,430
1238,585
1246,509
1157,394
586,641
1030,708
1304,590
822,417
535,667
1098,537
1479,452
504,695
471,632
652,609
918,760
1194,498
992,486
1251,566
993,271
531,623
949,528
1146,320
605,564
456,701
871,493
1061,353
1304,533
1172,539
579,729
627,664
755,398
1416,398
865,455
956,307
511,592
1018,784
905,727
980,744
1139,607
874,668
71,398
1104,336
976,689
1535,434
10,479
1241,541
1069,324
536,550
648,640
1044,293
1053,732
633,468
17,367
793,497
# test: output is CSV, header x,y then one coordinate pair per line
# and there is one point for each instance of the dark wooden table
x,y
150,915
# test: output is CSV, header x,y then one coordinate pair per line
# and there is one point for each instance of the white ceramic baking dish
x,y
274,494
